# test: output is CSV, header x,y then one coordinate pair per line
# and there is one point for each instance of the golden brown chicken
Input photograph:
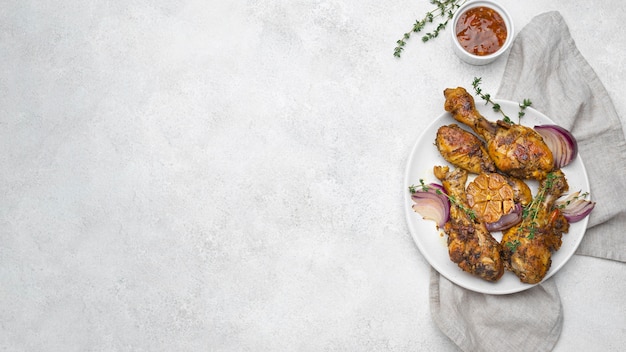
x,y
527,247
521,191
470,245
463,149
516,150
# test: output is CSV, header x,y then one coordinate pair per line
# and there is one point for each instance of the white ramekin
x,y
476,59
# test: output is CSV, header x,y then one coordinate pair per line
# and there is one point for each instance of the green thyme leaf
x,y
444,9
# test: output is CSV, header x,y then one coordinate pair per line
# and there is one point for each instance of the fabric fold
x,y
544,65
530,320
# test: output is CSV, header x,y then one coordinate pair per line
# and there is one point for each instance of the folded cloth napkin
x,y
545,66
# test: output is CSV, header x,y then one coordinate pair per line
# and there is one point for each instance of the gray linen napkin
x,y
545,66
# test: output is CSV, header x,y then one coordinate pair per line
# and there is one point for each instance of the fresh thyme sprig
x,y
512,245
487,98
413,188
495,106
531,211
422,186
526,103
445,9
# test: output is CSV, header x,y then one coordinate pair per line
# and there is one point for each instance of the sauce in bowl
x,y
481,31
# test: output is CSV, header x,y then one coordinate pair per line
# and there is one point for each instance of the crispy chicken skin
x,y
516,150
463,149
470,245
521,191
527,247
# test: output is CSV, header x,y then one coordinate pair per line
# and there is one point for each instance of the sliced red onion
x,y
506,221
561,143
574,207
432,204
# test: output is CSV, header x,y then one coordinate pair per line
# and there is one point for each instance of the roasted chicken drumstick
x,y
470,245
463,149
516,150
527,247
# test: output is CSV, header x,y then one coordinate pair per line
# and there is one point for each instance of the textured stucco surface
x,y
227,175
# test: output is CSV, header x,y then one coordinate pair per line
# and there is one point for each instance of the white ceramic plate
x,y
432,242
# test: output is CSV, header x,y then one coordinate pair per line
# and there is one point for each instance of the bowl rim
x,y
508,21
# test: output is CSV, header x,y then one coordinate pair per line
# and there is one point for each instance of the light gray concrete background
x,y
227,175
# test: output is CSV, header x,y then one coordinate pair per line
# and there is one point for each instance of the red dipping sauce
x,y
481,31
